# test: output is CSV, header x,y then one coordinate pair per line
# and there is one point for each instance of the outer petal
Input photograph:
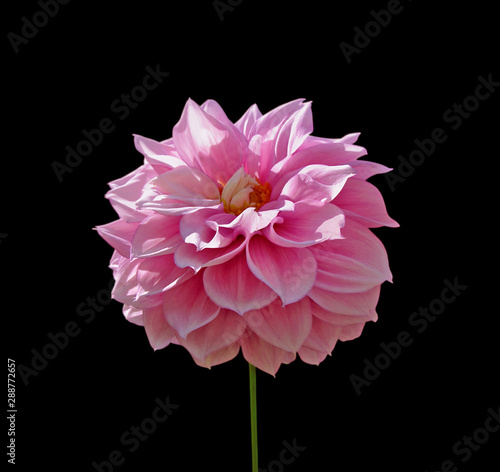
x,y
159,274
352,304
366,169
362,201
219,357
310,141
354,264
231,285
162,157
221,332
207,144
118,235
264,355
134,315
156,235
160,333
125,274
187,307
329,154
341,319
126,191
311,223
323,336
290,272
284,327
310,356
315,182
351,332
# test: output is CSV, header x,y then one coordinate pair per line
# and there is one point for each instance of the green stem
x,y
253,417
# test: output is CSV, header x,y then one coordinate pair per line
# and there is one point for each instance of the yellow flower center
x,y
243,191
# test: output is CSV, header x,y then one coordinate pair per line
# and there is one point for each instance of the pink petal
x,y
294,131
366,169
351,332
160,334
267,128
219,357
156,235
125,274
290,272
162,157
180,191
134,315
250,221
310,141
231,285
273,119
314,182
245,123
202,230
352,304
354,264
328,154
222,331
215,110
207,144
342,319
187,184
310,356
264,355
310,223
362,201
126,191
118,235
159,274
126,288
186,255
323,336
284,327
187,306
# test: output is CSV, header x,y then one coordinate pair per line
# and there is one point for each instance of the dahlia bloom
x,y
251,235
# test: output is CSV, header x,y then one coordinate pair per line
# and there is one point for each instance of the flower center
x,y
243,191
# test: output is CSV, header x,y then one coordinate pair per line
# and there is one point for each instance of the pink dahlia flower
x,y
251,235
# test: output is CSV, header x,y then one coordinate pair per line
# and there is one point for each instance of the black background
x,y
395,90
